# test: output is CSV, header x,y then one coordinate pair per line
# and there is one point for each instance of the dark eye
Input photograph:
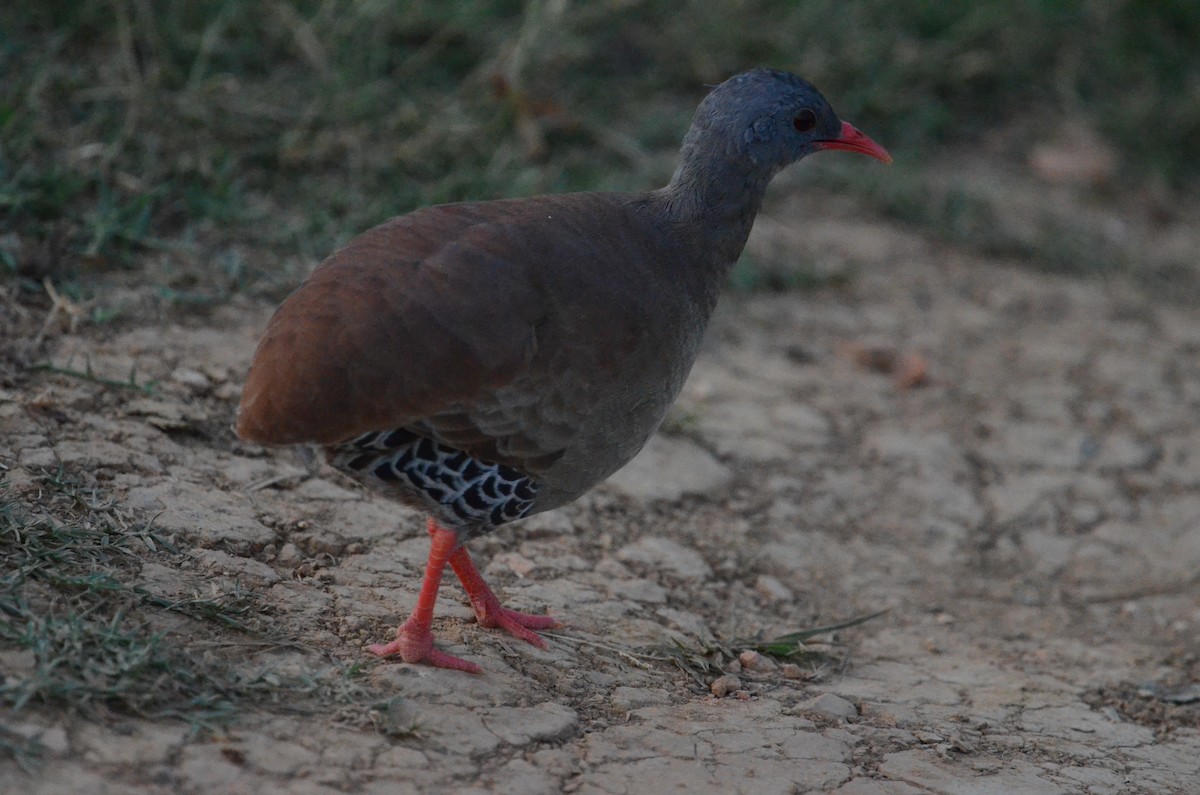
x,y
805,120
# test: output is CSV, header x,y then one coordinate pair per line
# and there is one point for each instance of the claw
x,y
414,644
490,613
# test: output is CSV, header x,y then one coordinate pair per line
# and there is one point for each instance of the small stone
x,y
54,740
516,563
1085,514
547,525
759,663
831,705
793,672
289,554
771,590
724,685
194,380
911,371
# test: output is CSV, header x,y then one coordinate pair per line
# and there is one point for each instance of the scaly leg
x,y
414,639
488,610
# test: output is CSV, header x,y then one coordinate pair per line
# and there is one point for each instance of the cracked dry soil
x,y
1029,515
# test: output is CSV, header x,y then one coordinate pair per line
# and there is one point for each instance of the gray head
x,y
744,132
767,119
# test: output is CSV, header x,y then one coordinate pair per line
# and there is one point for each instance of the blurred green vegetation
x,y
229,143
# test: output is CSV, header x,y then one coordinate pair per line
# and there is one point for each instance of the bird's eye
x,y
805,120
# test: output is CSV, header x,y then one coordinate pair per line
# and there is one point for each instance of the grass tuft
x,y
702,663
99,646
791,645
705,663
87,374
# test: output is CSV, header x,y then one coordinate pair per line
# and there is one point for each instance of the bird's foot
x,y
488,610
491,614
414,644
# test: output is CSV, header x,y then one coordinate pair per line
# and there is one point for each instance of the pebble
x,y
759,663
771,590
194,380
724,685
515,562
54,740
289,554
792,671
829,704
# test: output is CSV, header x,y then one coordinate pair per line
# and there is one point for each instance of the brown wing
x,y
401,323
549,334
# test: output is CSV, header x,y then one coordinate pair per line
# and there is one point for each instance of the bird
x,y
486,361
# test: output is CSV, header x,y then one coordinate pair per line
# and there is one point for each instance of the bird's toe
x,y
515,623
415,645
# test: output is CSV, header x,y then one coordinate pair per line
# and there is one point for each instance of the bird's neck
x,y
716,202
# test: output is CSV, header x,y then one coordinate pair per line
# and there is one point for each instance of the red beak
x,y
854,140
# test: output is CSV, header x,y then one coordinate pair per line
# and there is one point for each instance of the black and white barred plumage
x,y
474,494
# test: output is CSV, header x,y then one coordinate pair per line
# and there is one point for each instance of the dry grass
x,y
81,636
196,150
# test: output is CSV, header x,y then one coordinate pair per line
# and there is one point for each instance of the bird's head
x,y
772,119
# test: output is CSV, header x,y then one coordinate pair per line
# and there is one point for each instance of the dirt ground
x,y
1027,516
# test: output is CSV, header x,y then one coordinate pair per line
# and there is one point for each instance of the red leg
x,y
488,610
414,640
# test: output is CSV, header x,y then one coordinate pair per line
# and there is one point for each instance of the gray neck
x,y
716,195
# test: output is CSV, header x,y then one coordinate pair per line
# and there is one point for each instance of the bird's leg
x,y
488,610
414,639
